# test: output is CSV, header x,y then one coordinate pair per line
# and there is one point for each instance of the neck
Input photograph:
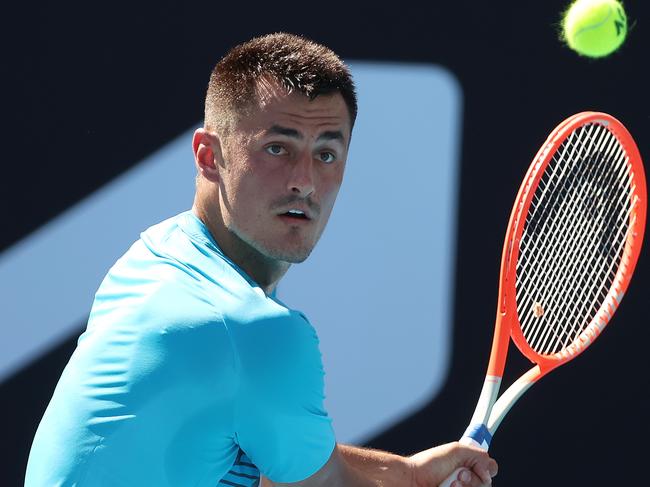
x,y
266,272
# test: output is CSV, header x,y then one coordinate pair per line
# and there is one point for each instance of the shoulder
x,y
265,325
279,354
169,274
163,293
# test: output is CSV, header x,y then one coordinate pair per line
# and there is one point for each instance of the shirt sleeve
x,y
281,422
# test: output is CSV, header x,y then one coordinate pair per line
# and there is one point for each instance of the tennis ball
x,y
595,28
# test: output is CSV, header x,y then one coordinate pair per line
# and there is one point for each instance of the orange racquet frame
x,y
489,411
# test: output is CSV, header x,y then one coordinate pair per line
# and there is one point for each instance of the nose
x,y
301,180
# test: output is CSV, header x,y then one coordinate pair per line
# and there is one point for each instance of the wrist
x,y
380,467
411,468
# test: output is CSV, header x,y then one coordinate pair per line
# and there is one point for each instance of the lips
x,y
295,216
297,212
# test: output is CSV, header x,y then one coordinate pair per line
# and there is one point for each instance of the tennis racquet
x,y
573,240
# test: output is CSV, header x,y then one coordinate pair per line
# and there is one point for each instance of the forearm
x,y
382,469
350,466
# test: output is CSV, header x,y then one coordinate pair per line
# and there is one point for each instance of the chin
x,y
287,249
292,257
289,254
297,259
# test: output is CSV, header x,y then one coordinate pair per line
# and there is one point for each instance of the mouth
x,y
295,215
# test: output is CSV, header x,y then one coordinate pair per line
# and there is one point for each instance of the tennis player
x,y
192,371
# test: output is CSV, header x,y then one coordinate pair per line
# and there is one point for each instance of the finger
x,y
463,479
467,478
484,475
490,470
493,468
485,470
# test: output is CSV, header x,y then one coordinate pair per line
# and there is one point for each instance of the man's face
x,y
283,164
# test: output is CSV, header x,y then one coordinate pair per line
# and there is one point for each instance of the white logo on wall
x,y
378,288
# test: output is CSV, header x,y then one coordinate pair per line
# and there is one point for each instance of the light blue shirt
x,y
187,375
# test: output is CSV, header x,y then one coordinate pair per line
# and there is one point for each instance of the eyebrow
x,y
293,133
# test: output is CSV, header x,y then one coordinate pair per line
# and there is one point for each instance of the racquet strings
x,y
573,239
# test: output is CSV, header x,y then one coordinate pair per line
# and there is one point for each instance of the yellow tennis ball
x,y
595,28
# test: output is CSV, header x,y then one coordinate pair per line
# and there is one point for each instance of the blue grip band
x,y
480,434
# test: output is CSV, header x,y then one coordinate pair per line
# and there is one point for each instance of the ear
x,y
207,154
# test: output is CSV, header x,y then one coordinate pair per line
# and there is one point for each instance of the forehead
x,y
274,105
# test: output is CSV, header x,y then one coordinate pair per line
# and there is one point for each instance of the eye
x,y
275,149
327,157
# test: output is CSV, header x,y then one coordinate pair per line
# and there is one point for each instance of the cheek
x,y
246,198
236,174
249,197
331,186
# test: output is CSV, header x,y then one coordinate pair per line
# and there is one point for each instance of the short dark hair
x,y
298,64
